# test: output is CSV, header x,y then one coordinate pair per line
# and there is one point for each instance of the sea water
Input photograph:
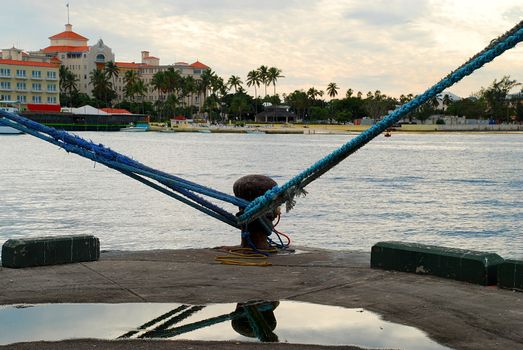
x,y
462,190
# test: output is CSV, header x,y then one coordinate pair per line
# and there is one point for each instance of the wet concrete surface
x,y
455,314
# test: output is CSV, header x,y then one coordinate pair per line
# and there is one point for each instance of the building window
x,y
5,72
51,87
37,87
100,58
21,98
20,86
20,73
74,55
5,85
51,99
36,74
51,75
5,97
197,71
37,99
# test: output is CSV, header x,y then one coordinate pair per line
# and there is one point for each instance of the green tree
x,y
235,83
332,90
273,74
263,71
299,102
495,97
130,80
68,85
376,105
112,71
239,104
102,88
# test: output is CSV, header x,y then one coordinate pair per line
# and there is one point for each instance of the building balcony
x,y
21,76
34,90
5,89
37,78
21,89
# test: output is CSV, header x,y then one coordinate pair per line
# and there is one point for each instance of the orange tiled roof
x,y
66,49
130,64
115,111
199,64
156,58
68,35
55,59
28,63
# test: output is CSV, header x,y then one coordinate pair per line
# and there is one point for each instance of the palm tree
x,y
205,83
254,79
68,82
130,79
313,93
102,87
349,93
234,82
188,89
112,71
332,89
272,76
264,73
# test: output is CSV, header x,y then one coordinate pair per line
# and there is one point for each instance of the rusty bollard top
x,y
250,187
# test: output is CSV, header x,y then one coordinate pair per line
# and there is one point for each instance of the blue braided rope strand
x,y
278,195
191,199
99,151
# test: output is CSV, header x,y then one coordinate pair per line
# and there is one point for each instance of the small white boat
x,y
11,107
139,127
133,129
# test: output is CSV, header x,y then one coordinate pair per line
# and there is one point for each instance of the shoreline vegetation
x,y
331,129
216,100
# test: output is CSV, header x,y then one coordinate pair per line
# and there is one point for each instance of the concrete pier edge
x,y
456,314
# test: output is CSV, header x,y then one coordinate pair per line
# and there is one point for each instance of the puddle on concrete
x,y
284,321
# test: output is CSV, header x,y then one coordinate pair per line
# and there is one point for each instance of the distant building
x,y
74,53
276,114
148,67
28,79
72,50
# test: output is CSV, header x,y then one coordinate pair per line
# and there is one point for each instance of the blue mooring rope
x,y
189,192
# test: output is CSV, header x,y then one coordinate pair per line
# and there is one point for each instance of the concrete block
x,y
452,263
42,251
510,275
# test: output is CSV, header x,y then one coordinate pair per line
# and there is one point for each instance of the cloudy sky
x,y
396,46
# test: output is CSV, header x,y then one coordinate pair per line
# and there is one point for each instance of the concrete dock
x,y
455,314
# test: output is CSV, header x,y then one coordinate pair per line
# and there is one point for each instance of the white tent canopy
x,y
85,110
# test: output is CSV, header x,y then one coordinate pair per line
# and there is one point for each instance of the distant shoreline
x,y
320,129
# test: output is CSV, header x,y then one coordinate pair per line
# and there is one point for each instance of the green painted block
x,y
56,250
510,275
458,264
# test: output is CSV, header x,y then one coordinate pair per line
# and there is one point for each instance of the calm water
x,y
459,190
288,322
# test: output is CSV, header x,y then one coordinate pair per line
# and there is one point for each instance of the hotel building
x,y
146,70
28,79
73,51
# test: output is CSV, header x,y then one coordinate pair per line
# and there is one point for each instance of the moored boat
x,y
11,107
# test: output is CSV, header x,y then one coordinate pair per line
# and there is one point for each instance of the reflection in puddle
x,y
285,321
